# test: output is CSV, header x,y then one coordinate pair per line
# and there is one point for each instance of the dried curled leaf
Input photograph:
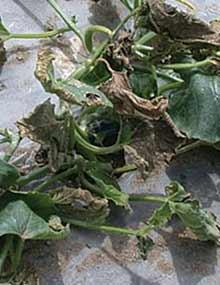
x,y
80,204
72,91
132,157
43,127
119,91
120,50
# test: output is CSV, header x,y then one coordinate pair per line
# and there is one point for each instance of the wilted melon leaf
x,y
200,221
42,126
8,174
178,202
73,91
195,110
18,219
159,219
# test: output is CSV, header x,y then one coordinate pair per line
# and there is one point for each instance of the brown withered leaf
x,y
43,127
118,91
119,51
212,39
164,18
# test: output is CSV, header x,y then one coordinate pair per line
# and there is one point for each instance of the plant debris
x,y
154,78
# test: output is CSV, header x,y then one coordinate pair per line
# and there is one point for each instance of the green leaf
x,y
98,74
8,174
102,171
72,91
18,219
143,84
104,184
40,203
77,92
112,193
195,110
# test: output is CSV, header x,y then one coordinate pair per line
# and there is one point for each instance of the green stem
x,y
89,35
132,197
169,76
42,35
147,198
43,186
142,48
69,23
179,66
164,75
92,187
124,21
96,149
138,3
127,4
33,175
124,169
187,3
169,86
191,146
4,251
18,252
147,37
105,228
90,63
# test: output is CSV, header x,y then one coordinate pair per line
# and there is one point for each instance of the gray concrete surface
x,y
90,258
